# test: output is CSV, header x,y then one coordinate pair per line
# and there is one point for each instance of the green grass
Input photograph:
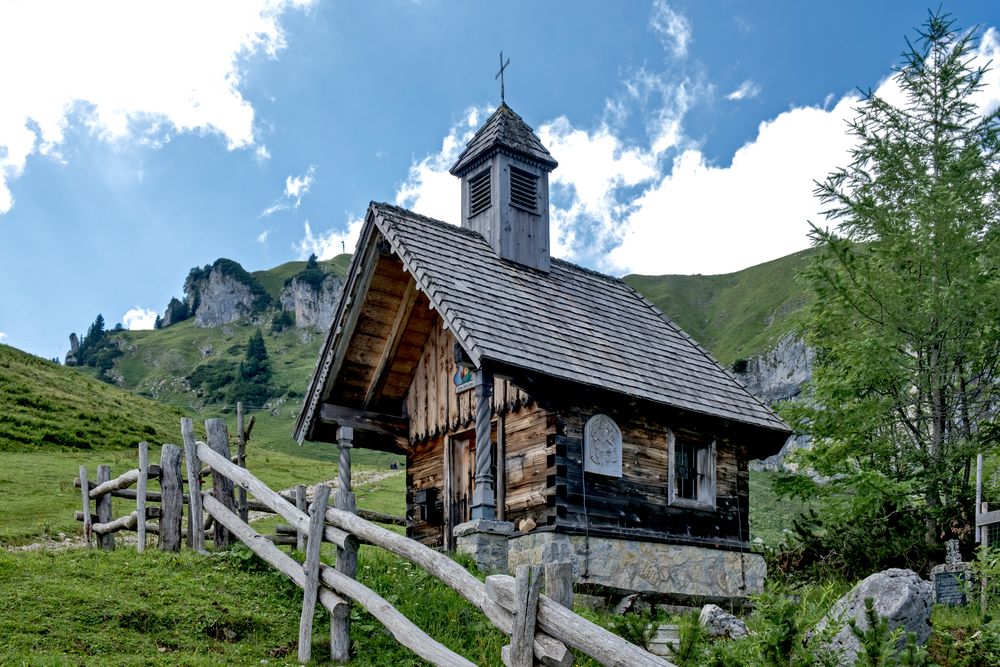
x,y
770,515
38,499
45,406
734,315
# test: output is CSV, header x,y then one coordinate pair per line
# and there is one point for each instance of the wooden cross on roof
x,y
503,66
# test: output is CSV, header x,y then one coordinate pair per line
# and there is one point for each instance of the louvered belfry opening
x,y
479,193
505,189
524,190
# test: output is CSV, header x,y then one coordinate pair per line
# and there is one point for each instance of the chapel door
x,y
463,466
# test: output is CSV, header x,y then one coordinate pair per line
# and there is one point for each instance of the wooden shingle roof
x,y
571,323
508,131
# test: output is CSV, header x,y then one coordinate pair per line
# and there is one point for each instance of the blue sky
x,y
138,140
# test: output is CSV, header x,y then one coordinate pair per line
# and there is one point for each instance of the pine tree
x,y
907,289
253,381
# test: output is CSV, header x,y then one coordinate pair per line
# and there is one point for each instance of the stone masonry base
x,y
644,567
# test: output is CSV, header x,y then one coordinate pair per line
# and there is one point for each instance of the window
x,y
479,193
692,473
523,190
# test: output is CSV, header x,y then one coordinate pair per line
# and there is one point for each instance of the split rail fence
x,y
542,628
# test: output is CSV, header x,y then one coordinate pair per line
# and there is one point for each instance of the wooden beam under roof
x,y
391,426
392,341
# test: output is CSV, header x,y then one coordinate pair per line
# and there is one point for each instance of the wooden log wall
x,y
636,505
436,411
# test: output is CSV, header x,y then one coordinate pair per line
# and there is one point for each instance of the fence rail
x,y
542,628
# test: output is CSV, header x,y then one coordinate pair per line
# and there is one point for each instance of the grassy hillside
x,y
274,279
45,406
734,315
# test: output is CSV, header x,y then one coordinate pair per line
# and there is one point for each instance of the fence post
x,y
347,559
196,531
85,493
300,503
317,524
171,498
522,635
222,486
104,513
559,583
140,497
241,461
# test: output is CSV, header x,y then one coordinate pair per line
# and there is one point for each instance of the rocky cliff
x,y
314,304
222,299
779,375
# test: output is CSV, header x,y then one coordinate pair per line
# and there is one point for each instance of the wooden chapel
x,y
525,389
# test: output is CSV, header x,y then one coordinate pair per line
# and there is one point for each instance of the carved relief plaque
x,y
602,446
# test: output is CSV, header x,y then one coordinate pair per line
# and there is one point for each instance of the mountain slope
x,y
734,315
45,406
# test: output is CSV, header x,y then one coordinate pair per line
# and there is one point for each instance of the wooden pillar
x,y
85,493
347,556
140,497
196,532
300,504
104,513
484,503
522,636
222,486
317,523
241,461
171,498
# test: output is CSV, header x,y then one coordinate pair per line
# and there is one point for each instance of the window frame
x,y
706,489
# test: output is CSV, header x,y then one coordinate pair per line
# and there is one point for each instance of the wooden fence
x,y
542,628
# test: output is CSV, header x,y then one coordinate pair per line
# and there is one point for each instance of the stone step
x,y
666,636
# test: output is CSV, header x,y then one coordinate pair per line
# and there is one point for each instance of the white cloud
x,y
429,189
672,27
3,335
329,244
296,187
262,154
139,318
746,90
262,237
127,70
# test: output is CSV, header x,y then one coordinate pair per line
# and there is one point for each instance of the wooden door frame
x,y
449,472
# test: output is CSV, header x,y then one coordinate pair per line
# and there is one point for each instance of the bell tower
x,y
505,188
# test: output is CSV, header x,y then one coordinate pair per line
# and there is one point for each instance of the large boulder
x,y
717,622
901,596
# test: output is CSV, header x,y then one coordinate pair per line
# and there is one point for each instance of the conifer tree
x,y
907,287
253,381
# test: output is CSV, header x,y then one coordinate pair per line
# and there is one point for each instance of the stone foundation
x,y
645,567
485,541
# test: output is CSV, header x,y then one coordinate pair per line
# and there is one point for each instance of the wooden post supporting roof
x,y
484,501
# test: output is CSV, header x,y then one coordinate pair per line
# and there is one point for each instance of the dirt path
x,y
360,478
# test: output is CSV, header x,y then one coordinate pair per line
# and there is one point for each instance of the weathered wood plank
x,y
279,504
222,486
196,538
576,631
549,650
140,496
85,496
559,583
124,480
171,502
300,505
104,507
241,460
526,591
310,590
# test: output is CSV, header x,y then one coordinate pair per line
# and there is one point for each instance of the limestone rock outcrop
x,y
314,305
